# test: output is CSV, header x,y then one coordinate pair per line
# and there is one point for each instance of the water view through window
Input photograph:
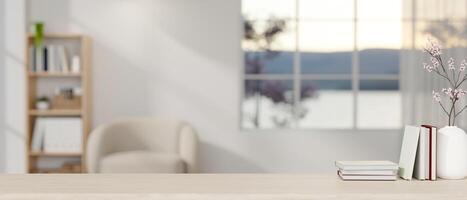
x,y
330,64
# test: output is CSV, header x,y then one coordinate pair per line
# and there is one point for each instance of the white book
x,y
408,151
51,58
420,167
63,59
369,172
39,59
75,64
32,55
366,165
367,178
38,135
63,135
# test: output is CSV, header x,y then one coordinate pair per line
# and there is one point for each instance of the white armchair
x,y
143,145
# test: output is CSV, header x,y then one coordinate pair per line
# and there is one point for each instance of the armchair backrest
x,y
151,134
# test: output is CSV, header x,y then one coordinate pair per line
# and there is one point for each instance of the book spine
x,y
46,66
32,58
430,156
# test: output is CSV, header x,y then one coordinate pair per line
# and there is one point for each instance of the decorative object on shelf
x,y
75,64
38,34
67,98
452,148
452,141
43,103
38,50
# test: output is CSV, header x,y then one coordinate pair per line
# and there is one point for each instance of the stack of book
x,y
378,170
418,153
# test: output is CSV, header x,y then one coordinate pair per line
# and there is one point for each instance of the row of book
x,y
377,170
53,58
418,153
57,135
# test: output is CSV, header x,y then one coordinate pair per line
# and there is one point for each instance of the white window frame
x,y
355,77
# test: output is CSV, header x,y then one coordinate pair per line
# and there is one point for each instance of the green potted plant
x,y
42,103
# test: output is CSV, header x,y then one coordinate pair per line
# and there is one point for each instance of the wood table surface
x,y
221,186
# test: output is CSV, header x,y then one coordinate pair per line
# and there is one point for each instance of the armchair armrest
x,y
188,148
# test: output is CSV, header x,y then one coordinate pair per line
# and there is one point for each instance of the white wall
x,y
2,86
12,87
182,59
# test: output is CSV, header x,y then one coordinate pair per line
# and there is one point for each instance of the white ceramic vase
x,y
452,153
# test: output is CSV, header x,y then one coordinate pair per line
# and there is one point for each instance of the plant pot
x,y
42,105
451,153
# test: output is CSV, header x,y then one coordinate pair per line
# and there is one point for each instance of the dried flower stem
x,y
454,79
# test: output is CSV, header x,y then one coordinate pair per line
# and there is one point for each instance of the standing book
x,y
421,159
408,151
432,151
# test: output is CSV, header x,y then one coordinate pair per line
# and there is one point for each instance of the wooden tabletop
x,y
302,186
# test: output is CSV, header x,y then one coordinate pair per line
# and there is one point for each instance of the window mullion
x,y
355,69
296,67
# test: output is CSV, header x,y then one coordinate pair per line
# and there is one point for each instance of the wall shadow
x,y
212,158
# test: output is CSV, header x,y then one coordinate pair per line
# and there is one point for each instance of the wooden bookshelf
x,y
53,74
32,82
56,113
55,154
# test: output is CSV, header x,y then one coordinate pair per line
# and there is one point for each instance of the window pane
x,y
326,36
267,46
379,9
379,34
326,63
379,61
268,104
379,105
449,33
326,104
440,10
325,47
264,9
329,9
379,46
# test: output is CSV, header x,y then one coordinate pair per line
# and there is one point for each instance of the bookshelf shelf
x,y
59,36
58,154
53,74
55,112
45,83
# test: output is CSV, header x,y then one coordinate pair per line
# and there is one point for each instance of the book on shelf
x,y
58,135
49,58
38,135
418,153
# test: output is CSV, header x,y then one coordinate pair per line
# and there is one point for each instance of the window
x,y
322,64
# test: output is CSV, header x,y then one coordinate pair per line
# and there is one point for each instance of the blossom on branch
x,y
428,67
433,47
436,96
463,65
451,64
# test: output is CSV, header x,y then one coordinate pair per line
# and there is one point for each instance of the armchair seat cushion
x,y
141,162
